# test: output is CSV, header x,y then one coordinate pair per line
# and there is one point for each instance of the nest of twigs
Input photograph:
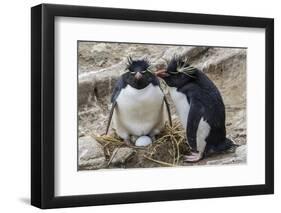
x,y
167,150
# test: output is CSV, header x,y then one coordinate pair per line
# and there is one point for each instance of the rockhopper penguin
x,y
199,106
139,107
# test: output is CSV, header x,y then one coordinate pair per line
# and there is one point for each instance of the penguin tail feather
x,y
227,147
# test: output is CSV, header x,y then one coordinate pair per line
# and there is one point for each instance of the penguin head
x,y
177,73
138,73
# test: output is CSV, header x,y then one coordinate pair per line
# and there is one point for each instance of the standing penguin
x,y
200,107
139,107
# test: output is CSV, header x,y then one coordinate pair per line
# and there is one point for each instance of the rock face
x,y
91,154
121,155
100,65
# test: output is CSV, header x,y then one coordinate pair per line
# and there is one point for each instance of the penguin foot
x,y
193,157
128,142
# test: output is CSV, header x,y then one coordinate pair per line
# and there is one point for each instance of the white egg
x,y
143,141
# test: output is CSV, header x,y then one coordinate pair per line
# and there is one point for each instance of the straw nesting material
x,y
167,150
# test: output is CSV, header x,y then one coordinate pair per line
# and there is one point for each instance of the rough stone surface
x,y
91,155
120,155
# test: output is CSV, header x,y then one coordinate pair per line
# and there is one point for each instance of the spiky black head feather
x,y
138,73
139,65
179,71
179,64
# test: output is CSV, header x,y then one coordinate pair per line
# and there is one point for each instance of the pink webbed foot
x,y
193,157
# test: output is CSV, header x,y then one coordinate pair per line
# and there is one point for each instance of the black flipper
x,y
110,116
194,116
168,110
166,102
227,146
120,84
116,91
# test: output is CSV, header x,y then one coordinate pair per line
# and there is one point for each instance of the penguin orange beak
x,y
161,73
138,76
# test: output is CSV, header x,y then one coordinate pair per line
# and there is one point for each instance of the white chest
x,y
138,101
183,107
181,103
139,110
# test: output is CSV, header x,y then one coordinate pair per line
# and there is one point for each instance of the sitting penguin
x,y
139,107
199,106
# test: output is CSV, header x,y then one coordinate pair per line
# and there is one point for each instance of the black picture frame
x,y
43,111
